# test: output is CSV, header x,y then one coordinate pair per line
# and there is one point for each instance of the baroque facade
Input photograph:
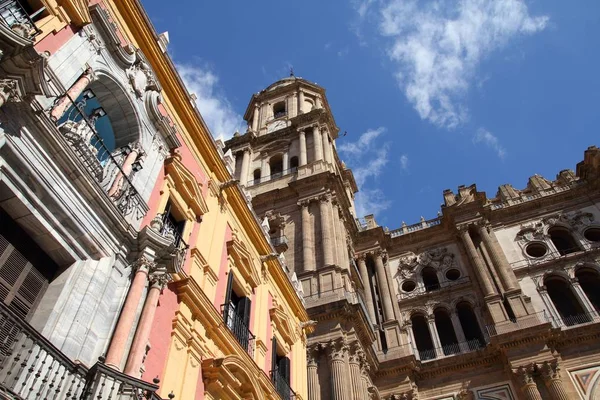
x,y
131,264
497,298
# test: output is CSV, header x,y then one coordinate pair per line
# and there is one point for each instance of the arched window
x,y
422,337
279,110
276,163
445,331
565,301
563,241
294,163
589,280
256,176
430,279
469,325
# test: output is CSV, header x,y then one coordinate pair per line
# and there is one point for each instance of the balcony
x,y
18,19
102,164
280,243
420,290
33,368
524,322
574,320
272,177
239,328
554,256
451,350
282,386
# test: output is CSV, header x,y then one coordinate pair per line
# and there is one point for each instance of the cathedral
x,y
496,298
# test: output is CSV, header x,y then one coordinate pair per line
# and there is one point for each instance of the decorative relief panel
x,y
587,381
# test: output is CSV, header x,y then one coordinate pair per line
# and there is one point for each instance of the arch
x,y
564,299
241,370
430,279
445,329
469,324
276,164
422,336
563,240
589,280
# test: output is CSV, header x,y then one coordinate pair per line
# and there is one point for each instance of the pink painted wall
x,y
269,338
160,336
56,40
200,385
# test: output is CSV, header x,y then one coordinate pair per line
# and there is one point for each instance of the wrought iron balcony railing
x,y
419,290
18,19
104,165
239,328
549,256
33,368
279,240
526,321
573,320
451,349
282,385
272,177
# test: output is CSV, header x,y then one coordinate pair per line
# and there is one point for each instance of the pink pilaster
x,y
74,91
117,345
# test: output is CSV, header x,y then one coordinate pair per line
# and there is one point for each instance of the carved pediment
x,y
186,184
439,258
243,260
284,324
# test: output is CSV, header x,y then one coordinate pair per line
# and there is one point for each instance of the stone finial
x,y
449,198
506,192
538,183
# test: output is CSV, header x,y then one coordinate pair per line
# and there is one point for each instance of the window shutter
x,y
245,310
273,356
21,285
284,369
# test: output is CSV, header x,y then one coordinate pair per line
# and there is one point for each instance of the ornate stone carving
x,y
8,91
440,259
550,370
143,263
141,77
312,356
337,350
530,232
525,374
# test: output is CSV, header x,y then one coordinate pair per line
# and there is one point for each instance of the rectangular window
x,y
236,314
280,372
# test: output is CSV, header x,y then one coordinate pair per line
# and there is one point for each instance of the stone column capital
x,y
361,256
380,253
143,264
312,355
337,350
524,374
550,370
324,198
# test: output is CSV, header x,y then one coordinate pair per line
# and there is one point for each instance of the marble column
x,y
286,161
480,269
245,167
255,118
551,374
507,275
308,248
73,93
326,242
388,310
337,354
265,170
314,387
364,275
126,320
326,147
140,340
303,157
458,330
364,380
300,102
355,374
126,168
528,386
318,143
435,337
391,291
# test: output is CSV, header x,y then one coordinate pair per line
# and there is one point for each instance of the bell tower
x,y
288,162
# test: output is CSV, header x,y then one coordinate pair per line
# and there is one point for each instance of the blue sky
x,y
434,94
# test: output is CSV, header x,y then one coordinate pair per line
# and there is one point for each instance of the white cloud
x,y
404,162
438,45
487,138
216,110
367,157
